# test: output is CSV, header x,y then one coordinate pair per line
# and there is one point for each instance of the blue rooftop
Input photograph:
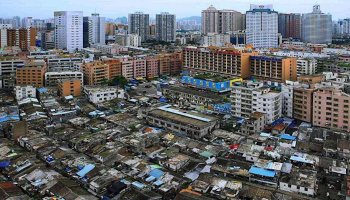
x,y
85,170
156,173
287,137
262,172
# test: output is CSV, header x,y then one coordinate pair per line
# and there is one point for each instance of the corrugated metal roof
x,y
262,172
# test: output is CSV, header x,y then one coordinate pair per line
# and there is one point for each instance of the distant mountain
x,y
192,18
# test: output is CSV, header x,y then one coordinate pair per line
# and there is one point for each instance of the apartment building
x,y
23,92
249,97
23,38
8,72
227,61
101,94
287,97
68,87
114,67
306,67
272,68
152,67
331,107
33,73
303,97
170,63
95,73
64,63
52,78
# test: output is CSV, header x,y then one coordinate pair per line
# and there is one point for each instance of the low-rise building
x,y
101,94
306,66
33,73
217,40
68,87
52,78
300,181
189,123
23,92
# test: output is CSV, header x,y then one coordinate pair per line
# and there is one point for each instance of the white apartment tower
x,y
98,32
165,27
69,30
262,26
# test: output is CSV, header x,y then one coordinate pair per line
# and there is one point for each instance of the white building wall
x,y
69,30
23,92
262,27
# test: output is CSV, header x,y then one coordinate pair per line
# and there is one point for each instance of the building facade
x,y
272,68
227,61
289,25
67,87
221,21
317,27
165,27
69,30
33,73
262,26
139,24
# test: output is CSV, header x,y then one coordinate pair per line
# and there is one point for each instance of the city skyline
x,y
181,8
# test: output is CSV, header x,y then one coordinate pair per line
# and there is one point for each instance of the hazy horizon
x,y
43,9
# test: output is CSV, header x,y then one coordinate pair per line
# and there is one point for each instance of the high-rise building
x,y
218,40
16,22
95,73
139,24
262,26
289,25
165,27
317,27
69,30
110,28
221,21
27,22
94,31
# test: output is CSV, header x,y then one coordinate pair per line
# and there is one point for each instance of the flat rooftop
x,y
196,92
186,117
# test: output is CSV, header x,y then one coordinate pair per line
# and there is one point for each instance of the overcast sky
x,y
182,8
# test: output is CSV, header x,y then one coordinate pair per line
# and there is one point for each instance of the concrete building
x,y
272,68
252,97
221,21
98,95
227,61
69,30
52,78
128,40
255,123
48,40
268,102
170,63
152,67
8,72
317,27
192,124
139,24
94,30
67,87
165,27
331,107
303,97
23,92
262,26
289,25
306,67
64,64
22,38
287,97
218,40
95,73
33,73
